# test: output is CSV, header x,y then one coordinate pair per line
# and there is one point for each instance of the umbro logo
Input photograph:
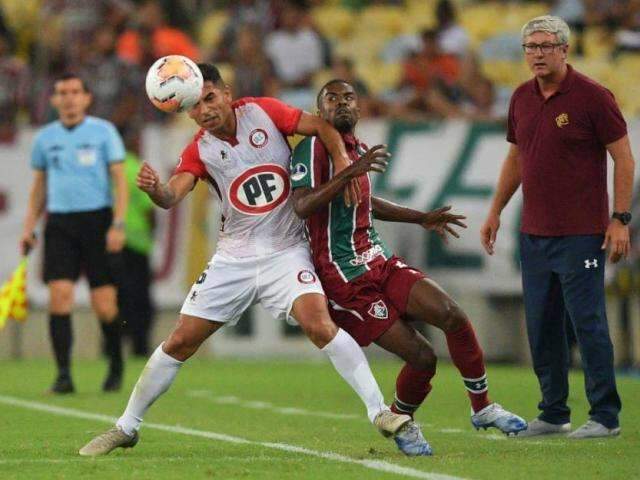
x,y
591,263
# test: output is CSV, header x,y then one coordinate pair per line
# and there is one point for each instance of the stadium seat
x,y
211,29
381,76
597,43
506,73
335,22
381,20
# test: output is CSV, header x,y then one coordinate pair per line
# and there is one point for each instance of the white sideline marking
x,y
379,465
258,405
235,459
231,400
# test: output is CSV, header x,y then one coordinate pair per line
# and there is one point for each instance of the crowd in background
x,y
268,47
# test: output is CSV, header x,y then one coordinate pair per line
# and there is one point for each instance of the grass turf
x,y
246,399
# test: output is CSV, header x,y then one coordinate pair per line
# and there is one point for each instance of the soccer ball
x,y
174,83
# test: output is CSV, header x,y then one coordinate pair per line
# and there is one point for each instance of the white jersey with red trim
x,y
250,174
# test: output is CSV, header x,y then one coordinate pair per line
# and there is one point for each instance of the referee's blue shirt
x,y
76,162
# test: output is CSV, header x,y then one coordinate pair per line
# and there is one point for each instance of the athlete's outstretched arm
x,y
308,200
165,195
438,220
312,125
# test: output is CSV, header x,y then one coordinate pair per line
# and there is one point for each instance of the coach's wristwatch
x,y
118,224
624,217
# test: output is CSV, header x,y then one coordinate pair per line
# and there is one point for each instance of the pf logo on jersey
x,y
259,189
258,138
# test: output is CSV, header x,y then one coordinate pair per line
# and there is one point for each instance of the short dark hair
x,y
210,73
429,34
327,85
71,76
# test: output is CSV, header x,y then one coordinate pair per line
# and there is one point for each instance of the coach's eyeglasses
x,y
531,48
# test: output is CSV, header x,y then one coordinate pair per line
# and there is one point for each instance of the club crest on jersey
x,y
258,138
306,276
562,120
298,172
379,310
259,189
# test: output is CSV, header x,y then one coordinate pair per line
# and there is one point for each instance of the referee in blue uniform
x,y
78,162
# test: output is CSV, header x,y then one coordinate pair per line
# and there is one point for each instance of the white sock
x,y
155,379
349,360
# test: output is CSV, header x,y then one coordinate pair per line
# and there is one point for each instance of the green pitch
x,y
263,419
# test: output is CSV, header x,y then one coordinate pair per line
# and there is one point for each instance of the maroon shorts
x,y
367,306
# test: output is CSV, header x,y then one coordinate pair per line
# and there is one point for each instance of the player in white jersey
x,y
242,152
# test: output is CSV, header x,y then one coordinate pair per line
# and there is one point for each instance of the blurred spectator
x,y
253,72
572,12
343,69
75,22
294,48
117,15
14,78
5,33
430,66
161,39
440,85
134,285
258,13
627,38
452,38
478,100
607,13
116,84
51,62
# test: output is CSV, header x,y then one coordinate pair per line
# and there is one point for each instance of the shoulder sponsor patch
x,y
298,172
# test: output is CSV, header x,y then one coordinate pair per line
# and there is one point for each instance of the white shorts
x,y
229,286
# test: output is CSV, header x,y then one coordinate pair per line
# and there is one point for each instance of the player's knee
x,y
320,329
453,317
180,346
426,359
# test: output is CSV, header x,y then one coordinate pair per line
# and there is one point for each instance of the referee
x,y
561,125
76,161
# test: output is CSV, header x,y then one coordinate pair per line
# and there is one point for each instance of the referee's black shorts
x,y
75,243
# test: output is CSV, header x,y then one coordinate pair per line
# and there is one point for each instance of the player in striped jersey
x,y
372,293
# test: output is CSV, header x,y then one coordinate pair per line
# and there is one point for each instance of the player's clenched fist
x,y
148,179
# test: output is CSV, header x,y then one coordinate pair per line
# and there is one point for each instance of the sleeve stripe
x,y
312,158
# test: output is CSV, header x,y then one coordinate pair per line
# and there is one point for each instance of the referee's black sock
x,y
61,339
113,343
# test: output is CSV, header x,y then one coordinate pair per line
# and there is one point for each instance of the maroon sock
x,y
412,387
467,357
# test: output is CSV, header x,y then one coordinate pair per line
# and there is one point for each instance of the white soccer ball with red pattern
x,y
174,83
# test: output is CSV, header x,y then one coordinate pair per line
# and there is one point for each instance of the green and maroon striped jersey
x,y
343,240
